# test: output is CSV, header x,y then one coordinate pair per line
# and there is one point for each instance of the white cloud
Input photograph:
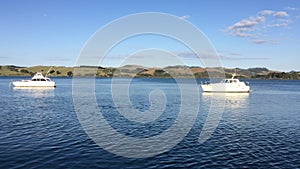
x,y
273,13
202,55
281,14
266,12
224,55
259,41
291,8
278,25
242,34
247,23
254,28
245,27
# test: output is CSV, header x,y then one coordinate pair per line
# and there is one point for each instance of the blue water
x,y
40,128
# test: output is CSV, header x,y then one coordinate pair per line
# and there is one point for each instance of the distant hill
x,y
144,72
11,70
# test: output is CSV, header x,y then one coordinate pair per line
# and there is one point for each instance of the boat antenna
x,y
234,74
48,70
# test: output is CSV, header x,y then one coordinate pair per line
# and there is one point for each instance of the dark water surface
x,y
39,128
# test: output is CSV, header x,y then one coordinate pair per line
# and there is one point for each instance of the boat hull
x,y
33,84
225,88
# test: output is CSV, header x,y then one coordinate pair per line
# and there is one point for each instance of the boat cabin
x,y
45,79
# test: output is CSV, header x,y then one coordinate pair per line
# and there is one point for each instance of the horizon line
x,y
150,67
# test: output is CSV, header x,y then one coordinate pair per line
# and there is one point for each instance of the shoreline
x,y
127,77
136,71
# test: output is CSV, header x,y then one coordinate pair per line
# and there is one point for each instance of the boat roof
x,y
232,78
39,75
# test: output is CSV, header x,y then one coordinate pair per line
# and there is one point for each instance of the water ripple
x,y
258,130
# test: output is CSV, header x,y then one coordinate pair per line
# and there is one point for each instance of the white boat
x,y
38,80
232,85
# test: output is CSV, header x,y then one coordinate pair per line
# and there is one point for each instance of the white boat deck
x,y
38,80
227,85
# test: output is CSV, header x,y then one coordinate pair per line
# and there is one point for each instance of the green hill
x,y
143,72
10,70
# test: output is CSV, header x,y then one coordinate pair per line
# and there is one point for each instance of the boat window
x,y
43,80
33,79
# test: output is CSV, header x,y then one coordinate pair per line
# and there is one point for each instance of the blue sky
x,y
245,33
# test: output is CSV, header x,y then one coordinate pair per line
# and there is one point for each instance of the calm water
x,y
40,128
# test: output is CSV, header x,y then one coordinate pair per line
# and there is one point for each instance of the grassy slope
x,y
139,71
17,71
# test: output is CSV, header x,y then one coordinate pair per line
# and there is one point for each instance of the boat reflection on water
x,y
34,91
232,100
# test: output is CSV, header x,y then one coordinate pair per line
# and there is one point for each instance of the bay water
x,y
40,128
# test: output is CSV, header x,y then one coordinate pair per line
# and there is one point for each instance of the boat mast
x,y
48,71
234,74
